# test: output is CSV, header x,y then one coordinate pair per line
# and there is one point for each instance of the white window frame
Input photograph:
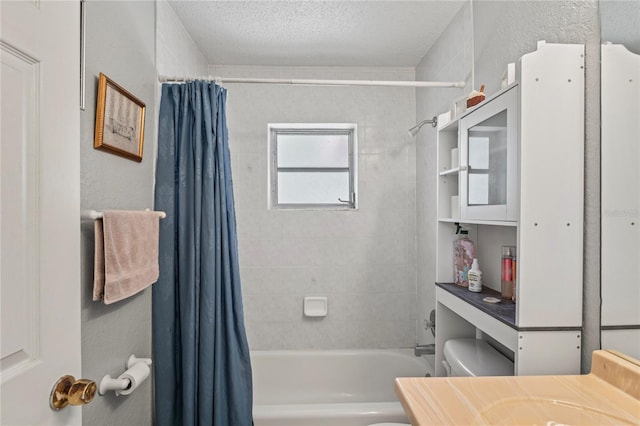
x,y
349,129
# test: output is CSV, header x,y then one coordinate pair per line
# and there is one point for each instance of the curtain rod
x,y
308,82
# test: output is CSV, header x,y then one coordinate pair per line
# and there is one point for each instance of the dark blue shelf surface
x,y
504,311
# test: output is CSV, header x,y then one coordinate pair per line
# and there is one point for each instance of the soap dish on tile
x,y
315,306
491,299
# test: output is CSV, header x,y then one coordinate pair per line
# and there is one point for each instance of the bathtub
x,y
331,388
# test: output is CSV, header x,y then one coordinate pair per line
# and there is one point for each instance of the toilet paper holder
x,y
122,385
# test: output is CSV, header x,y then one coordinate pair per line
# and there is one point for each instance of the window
x,y
312,166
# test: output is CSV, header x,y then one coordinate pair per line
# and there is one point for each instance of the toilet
x,y
474,357
470,358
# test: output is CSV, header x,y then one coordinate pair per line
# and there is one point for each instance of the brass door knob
x,y
69,391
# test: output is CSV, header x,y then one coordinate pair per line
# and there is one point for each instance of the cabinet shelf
x,y
463,314
479,222
504,311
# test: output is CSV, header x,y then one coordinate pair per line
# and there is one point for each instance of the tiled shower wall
x,y
448,60
364,261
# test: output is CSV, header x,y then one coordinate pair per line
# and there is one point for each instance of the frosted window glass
x,y
313,150
312,187
478,189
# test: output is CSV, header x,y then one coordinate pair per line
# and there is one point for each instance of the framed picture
x,y
119,120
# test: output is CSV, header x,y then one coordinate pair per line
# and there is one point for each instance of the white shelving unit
x,y
541,332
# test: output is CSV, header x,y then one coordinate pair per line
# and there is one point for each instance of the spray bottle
x,y
463,254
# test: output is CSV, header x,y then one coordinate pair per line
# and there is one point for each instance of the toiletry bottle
x,y
513,272
475,277
506,284
463,254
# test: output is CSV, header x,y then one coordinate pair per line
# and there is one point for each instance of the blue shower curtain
x,y
202,365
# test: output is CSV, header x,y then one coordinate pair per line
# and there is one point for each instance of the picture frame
x,y
119,120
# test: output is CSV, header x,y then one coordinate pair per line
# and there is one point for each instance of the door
x,y
39,208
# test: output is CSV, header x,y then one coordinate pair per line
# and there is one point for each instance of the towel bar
x,y
93,214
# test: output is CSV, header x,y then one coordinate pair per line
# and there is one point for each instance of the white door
x,y
39,208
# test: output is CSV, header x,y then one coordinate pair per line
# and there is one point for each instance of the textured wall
x,y
502,32
363,260
177,54
620,23
120,44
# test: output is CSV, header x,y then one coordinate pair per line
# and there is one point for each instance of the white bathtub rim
x,y
407,352
341,410
329,414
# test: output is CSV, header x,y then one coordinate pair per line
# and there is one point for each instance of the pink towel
x,y
126,254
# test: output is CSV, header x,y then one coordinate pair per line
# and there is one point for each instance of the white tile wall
x,y
449,59
364,261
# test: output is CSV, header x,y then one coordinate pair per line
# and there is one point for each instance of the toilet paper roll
x,y
454,158
455,207
137,374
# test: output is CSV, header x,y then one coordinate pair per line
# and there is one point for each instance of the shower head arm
x,y
433,122
415,129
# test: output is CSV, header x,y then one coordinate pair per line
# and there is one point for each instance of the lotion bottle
x,y
475,277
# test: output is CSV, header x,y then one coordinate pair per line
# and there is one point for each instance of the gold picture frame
x,y
119,120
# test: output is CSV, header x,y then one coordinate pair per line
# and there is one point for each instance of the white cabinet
x,y
488,146
478,162
519,182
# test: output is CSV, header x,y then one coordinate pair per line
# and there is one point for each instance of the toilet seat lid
x,y
474,357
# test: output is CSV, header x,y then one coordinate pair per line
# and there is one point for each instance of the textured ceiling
x,y
315,33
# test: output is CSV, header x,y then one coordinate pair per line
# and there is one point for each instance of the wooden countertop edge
x,y
405,405
618,370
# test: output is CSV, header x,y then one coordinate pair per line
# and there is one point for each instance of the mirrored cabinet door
x,y
620,316
620,178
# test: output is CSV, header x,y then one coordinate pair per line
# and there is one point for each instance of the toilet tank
x,y
474,357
